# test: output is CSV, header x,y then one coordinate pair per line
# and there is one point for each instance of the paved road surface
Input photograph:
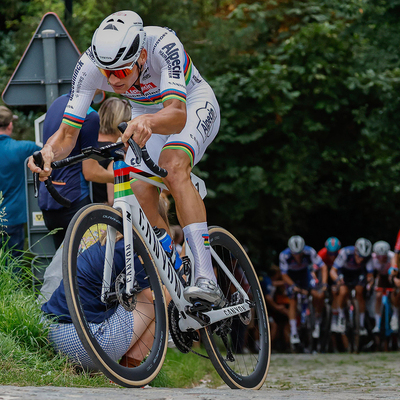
x,y
303,377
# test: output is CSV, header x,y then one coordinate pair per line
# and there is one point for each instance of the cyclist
x,y
174,113
353,269
296,263
328,255
382,258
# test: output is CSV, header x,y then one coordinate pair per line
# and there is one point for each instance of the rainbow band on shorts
x,y
73,120
182,146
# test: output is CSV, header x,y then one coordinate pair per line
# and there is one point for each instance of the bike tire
x,y
87,229
355,339
247,371
325,336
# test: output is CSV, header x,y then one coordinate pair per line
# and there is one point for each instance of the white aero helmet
x,y
296,244
363,247
118,40
381,248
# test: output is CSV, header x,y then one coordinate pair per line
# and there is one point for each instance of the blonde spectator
x,y
112,112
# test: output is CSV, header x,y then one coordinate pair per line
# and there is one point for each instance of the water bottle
x,y
168,246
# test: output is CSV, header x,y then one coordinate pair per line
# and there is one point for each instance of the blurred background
x,y
309,92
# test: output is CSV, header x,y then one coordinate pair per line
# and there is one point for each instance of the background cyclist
x,y
382,259
328,255
174,113
352,269
296,263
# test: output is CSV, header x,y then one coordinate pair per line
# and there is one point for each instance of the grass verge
x,y
27,359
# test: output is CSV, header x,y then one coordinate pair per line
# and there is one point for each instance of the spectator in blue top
x,y
13,153
75,178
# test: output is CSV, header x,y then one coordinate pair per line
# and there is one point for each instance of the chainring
x,y
183,340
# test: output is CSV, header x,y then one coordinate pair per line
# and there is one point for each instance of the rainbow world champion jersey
x,y
167,74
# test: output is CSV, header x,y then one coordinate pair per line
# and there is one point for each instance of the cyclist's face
x,y
121,85
298,257
358,258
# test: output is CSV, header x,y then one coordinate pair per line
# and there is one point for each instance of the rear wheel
x,y
85,245
355,326
239,347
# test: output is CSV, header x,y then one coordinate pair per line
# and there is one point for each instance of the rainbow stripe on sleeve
x,y
73,120
187,68
173,94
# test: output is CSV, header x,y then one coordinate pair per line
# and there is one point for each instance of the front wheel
x,y
239,347
109,323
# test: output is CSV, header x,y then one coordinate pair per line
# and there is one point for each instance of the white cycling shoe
x,y
204,290
341,325
394,323
294,339
363,331
316,332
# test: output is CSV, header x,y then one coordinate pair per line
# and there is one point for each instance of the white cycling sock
x,y
395,312
362,319
198,240
293,327
377,319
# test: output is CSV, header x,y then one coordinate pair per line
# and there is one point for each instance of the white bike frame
x,y
132,214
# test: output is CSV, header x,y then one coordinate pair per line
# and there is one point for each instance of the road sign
x,y
45,69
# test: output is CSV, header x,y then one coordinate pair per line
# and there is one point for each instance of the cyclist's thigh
x,y
202,124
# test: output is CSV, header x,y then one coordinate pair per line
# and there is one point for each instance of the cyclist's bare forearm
x,y
62,141
324,271
334,274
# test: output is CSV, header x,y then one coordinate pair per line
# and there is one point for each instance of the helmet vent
x,y
111,26
120,20
133,49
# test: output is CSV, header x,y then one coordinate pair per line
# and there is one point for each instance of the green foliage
x,y
308,142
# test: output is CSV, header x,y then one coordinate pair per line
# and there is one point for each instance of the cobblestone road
x,y
303,377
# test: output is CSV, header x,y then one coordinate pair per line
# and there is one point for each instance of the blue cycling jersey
x,y
346,260
309,256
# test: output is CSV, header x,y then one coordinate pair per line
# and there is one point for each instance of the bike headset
x,y
363,247
117,41
333,245
381,248
296,244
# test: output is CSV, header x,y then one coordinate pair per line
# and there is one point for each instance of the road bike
x,y
387,337
144,257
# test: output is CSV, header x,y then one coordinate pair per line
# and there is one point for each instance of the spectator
x,y
112,112
12,182
75,177
278,312
134,331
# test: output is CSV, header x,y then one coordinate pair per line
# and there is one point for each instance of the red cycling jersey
x,y
397,245
326,258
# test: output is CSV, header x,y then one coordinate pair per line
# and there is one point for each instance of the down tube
x,y
164,266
